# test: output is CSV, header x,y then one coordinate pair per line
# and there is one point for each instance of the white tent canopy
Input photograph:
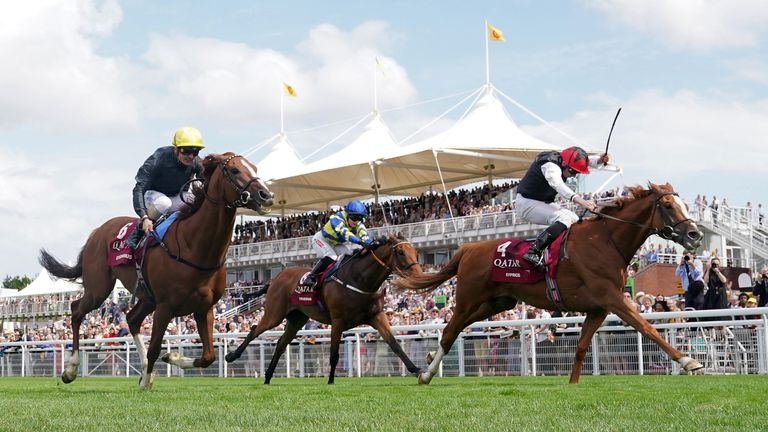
x,y
44,284
281,160
484,144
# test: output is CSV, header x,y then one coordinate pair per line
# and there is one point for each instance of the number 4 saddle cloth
x,y
509,266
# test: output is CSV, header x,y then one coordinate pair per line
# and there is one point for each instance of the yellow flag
x,y
495,34
289,91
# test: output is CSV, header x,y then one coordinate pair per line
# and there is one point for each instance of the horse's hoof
x,y
67,378
146,386
693,365
230,357
171,357
431,356
424,378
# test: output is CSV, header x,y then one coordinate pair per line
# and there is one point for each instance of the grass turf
x,y
602,403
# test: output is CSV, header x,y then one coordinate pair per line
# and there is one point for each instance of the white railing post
x,y
287,360
358,359
595,354
640,365
127,359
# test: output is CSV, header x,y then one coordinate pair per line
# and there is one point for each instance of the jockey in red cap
x,y
536,194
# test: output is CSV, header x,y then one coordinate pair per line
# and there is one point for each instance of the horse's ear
x,y
211,159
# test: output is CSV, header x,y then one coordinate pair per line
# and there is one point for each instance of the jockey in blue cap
x,y
343,230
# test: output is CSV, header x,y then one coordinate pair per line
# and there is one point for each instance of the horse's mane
x,y
209,165
635,193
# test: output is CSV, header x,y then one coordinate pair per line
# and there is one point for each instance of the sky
x,y
90,88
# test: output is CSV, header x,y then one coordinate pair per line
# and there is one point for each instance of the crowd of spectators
x,y
427,206
401,308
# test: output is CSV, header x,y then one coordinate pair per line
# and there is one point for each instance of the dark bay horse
x,y
189,282
353,297
591,276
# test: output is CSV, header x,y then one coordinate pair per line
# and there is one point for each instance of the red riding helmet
x,y
576,158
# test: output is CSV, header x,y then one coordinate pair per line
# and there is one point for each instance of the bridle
x,y
394,264
668,231
244,197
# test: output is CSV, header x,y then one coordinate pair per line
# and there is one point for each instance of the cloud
x,y
693,24
54,206
691,139
64,83
233,83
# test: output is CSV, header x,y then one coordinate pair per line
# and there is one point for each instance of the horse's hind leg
x,y
633,318
296,321
465,315
268,321
592,322
381,324
205,330
96,289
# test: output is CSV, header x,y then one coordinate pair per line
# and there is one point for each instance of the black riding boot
x,y
546,237
311,278
133,240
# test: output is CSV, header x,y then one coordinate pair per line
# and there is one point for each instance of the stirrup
x,y
539,264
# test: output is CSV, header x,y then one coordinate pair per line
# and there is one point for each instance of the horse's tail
x,y
426,282
63,271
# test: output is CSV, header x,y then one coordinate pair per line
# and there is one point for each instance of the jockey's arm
x,y
340,227
554,176
143,179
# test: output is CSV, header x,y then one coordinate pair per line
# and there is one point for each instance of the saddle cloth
x,y
508,264
303,295
121,254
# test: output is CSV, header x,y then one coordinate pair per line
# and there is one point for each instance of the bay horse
x,y
186,276
591,276
353,296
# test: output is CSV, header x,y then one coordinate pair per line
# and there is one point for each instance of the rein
x,y
400,270
666,232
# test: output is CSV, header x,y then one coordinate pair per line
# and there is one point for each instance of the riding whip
x,y
611,132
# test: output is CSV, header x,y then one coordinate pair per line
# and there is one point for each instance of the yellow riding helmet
x,y
188,137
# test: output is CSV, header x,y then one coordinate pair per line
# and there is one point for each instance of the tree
x,y
16,282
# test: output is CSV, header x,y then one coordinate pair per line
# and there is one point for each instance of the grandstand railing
x,y
432,230
728,341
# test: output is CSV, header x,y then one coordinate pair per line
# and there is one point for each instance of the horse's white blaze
x,y
250,167
682,206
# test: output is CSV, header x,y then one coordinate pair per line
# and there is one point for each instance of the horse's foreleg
x,y
591,323
336,329
633,318
134,318
381,324
205,330
159,326
295,323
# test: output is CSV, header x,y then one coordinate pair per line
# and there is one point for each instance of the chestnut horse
x,y
591,277
186,276
353,296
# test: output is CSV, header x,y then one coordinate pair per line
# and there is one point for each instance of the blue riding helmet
x,y
356,208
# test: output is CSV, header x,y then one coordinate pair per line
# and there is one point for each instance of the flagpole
x,y
375,87
487,62
282,116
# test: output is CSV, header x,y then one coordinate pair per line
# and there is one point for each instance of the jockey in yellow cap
x,y
160,178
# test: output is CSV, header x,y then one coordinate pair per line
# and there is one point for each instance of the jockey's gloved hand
x,y
370,245
589,205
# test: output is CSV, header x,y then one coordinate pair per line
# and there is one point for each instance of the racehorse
x,y
353,296
591,277
186,276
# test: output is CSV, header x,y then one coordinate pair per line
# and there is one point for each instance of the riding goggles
x,y
189,151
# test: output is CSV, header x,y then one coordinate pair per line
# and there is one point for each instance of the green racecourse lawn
x,y
604,403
